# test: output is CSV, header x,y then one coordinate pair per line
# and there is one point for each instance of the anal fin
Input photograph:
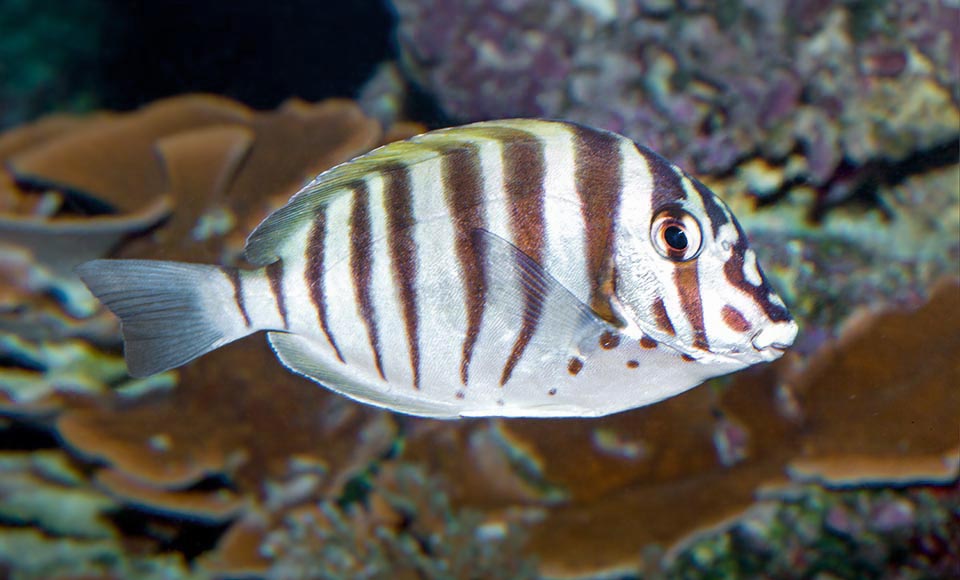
x,y
308,358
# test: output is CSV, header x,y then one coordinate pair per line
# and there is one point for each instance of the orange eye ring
x,y
676,235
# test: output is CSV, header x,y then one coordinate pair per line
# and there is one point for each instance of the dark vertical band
x,y
463,189
398,205
315,273
733,271
524,174
662,318
361,265
275,276
667,187
234,275
597,170
687,281
715,213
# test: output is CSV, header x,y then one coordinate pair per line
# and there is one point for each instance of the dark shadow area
x,y
256,51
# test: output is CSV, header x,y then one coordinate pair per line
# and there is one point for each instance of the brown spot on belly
x,y
735,319
687,358
461,394
552,392
574,366
609,340
647,342
632,364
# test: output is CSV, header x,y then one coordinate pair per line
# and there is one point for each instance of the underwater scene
x,y
704,323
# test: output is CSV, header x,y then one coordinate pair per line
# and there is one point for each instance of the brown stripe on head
x,y
718,216
662,318
524,172
733,271
315,274
687,281
361,262
597,171
275,276
667,186
463,189
711,203
398,206
735,319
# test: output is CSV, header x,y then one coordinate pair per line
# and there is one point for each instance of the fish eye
x,y
676,235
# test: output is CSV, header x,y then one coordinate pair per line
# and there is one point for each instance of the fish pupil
x,y
675,238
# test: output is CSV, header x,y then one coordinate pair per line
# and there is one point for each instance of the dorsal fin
x,y
264,243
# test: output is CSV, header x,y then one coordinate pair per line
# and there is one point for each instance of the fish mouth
x,y
775,347
774,340
769,352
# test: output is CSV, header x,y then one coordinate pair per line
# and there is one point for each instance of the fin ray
x,y
264,242
564,318
163,309
301,355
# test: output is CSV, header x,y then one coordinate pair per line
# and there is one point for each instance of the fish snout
x,y
775,338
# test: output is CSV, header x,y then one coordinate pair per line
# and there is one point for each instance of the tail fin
x,y
170,313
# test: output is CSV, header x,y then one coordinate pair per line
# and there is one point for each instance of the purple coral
x,y
707,84
496,53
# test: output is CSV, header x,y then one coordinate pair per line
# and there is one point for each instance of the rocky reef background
x,y
831,128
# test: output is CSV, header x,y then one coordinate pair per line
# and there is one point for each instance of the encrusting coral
x,y
406,530
707,84
246,470
875,534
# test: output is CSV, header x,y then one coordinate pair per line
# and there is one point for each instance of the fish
x,y
512,268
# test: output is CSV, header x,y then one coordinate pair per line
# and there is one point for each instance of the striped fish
x,y
504,268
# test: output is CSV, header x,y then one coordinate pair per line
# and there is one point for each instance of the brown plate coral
x,y
232,467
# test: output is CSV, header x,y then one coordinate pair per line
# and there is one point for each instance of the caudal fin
x,y
170,312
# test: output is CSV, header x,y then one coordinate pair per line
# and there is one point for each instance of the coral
x,y
205,155
245,470
211,169
408,530
798,417
43,374
901,400
209,427
705,84
854,256
53,524
853,534
72,188
33,555
44,490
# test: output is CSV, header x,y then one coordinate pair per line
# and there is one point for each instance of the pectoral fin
x,y
529,297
